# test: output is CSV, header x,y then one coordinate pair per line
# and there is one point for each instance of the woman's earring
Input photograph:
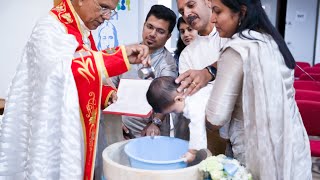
x,y
240,19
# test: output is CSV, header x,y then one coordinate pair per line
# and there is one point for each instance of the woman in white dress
x,y
254,93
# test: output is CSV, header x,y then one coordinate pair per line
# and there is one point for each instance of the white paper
x,y
131,98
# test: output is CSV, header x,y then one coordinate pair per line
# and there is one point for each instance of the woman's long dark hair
x,y
256,19
180,44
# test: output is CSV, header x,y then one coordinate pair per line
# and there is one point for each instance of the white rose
x,y
216,175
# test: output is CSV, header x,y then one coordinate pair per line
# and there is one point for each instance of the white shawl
x,y
276,142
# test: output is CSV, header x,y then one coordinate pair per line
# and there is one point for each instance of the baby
x,y
164,98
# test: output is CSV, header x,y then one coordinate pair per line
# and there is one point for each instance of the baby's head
x,y
163,96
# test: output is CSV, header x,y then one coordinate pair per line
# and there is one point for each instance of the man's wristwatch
x,y
213,71
156,121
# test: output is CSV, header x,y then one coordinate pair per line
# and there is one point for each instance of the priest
x,y
51,121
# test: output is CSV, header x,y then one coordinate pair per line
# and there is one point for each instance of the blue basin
x,y
159,153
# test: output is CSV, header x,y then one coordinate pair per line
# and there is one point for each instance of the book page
x,y
132,99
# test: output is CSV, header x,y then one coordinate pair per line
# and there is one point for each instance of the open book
x,y
132,99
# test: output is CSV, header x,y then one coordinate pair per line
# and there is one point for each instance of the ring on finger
x,y
193,83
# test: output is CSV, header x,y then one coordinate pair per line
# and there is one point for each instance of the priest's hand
x,y
193,80
138,53
113,98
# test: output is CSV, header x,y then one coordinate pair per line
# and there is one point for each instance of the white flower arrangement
x,y
223,168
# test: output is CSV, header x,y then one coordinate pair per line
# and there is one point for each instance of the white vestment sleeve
x,y
41,133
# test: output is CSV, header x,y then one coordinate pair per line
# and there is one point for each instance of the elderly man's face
x,y
91,11
197,13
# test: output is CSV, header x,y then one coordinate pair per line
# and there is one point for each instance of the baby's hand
x,y
189,156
